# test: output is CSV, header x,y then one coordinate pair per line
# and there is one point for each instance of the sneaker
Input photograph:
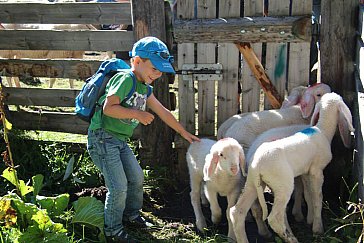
x,y
139,222
122,237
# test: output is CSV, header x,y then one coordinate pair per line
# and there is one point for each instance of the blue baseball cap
x,y
156,51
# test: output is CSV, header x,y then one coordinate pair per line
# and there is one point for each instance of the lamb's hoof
x,y
216,219
318,229
298,217
267,235
201,226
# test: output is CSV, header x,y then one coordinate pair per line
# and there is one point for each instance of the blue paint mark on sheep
x,y
308,131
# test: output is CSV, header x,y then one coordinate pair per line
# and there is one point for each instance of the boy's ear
x,y
137,59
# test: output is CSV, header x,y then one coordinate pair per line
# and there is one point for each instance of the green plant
x,y
348,225
25,216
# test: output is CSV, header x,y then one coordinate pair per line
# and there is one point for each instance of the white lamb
x,y
276,164
246,127
216,166
275,134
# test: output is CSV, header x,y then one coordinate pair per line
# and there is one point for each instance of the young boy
x,y
112,125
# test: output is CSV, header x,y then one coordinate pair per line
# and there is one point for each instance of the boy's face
x,y
145,71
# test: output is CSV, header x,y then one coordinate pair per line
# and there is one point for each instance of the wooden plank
x,y
273,96
48,121
360,57
249,29
62,68
186,92
276,54
299,54
52,121
228,56
206,89
358,118
250,87
360,21
95,40
66,13
40,97
337,44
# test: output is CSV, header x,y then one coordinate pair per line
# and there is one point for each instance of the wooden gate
x,y
212,32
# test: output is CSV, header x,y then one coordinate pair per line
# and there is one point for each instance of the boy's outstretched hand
x,y
189,137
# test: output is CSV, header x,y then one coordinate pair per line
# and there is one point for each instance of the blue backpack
x,y
87,100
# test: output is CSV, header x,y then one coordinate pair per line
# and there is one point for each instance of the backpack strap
x,y
133,88
150,90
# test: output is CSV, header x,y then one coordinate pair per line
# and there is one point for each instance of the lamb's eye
x,y
319,95
220,154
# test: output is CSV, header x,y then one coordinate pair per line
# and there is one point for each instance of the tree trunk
x,y
337,48
156,139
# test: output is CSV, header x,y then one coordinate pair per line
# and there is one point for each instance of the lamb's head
x,y
311,96
226,154
294,97
333,103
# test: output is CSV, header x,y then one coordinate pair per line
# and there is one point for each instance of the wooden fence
x,y
86,40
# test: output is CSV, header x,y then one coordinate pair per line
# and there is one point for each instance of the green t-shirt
x,y
121,84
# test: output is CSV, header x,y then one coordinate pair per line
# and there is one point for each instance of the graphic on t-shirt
x,y
136,102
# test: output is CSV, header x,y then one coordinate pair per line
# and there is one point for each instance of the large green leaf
x,y
54,205
89,211
24,189
10,175
37,183
34,235
27,210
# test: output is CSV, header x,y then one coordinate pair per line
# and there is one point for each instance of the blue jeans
x,y
123,178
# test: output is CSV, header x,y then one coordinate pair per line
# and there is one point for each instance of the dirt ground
x,y
176,207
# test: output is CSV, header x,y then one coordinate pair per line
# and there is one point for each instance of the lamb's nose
x,y
234,169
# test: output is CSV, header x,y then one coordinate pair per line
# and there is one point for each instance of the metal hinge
x,y
201,71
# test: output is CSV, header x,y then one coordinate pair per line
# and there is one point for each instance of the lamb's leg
x,y
316,181
297,205
195,201
308,197
10,83
16,82
203,196
258,215
239,211
51,82
71,81
231,199
277,219
214,205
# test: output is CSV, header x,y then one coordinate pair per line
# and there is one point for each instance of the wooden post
x,y
337,44
256,67
337,48
156,140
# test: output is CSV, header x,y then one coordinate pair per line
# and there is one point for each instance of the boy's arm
x,y
169,119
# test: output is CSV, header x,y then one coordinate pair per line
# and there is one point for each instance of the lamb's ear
x,y
307,104
291,100
294,97
315,115
345,124
211,161
242,162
